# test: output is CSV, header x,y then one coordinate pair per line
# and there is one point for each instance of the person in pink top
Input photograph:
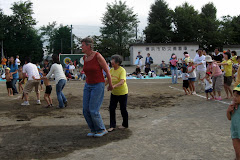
x,y
217,76
173,63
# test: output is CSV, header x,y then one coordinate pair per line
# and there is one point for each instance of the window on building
x,y
169,48
174,48
179,48
147,48
164,48
158,48
152,48
185,48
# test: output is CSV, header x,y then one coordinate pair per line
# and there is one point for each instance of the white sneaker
x,y
194,92
25,103
38,102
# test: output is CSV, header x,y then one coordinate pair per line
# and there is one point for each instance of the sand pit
x,y
163,123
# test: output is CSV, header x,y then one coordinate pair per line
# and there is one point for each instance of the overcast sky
x,y
89,12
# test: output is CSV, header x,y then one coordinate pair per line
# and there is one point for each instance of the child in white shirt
x,y
185,76
208,85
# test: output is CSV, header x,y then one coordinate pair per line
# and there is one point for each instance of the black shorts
x,y
48,89
9,84
19,80
228,80
185,83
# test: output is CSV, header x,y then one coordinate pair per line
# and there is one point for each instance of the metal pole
x,y
136,32
71,41
61,45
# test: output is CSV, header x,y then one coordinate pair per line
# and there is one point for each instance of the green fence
x,y
71,57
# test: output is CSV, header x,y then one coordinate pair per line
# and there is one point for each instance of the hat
x,y
209,73
8,68
208,58
224,51
237,88
190,61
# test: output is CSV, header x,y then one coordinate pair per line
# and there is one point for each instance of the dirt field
x,y
164,124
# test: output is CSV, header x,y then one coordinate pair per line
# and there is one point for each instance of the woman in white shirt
x,y
60,80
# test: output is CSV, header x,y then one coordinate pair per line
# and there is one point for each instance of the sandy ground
x,y
164,124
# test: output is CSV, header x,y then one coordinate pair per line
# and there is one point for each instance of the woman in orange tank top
x,y
93,92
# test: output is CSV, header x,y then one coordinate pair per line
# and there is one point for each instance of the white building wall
x,y
161,52
237,49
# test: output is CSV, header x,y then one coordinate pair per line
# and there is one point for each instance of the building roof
x,y
157,44
232,46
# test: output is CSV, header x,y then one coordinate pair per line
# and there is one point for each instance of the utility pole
x,y
61,46
71,41
136,32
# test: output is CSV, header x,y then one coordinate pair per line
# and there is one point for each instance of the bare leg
x,y
188,91
230,91
50,99
26,96
236,146
193,86
190,86
226,90
219,93
38,95
185,90
212,95
207,96
46,99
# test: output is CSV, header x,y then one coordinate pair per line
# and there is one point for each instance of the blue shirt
x,y
67,67
13,68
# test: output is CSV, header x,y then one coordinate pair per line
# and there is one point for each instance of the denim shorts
x,y
192,79
209,90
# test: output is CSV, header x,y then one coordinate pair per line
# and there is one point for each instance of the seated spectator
x,y
71,67
137,71
163,66
147,68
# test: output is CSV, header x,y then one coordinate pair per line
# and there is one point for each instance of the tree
x,y
186,21
62,40
119,23
209,27
159,29
47,33
20,36
226,30
236,29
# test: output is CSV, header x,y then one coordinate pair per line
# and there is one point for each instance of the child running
x,y
192,76
185,81
208,85
233,114
8,77
20,79
48,91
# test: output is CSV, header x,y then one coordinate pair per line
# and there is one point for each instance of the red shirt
x,y
93,71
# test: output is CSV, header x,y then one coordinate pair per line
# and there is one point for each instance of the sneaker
x,y
219,98
101,134
66,104
90,134
25,103
194,92
38,102
59,107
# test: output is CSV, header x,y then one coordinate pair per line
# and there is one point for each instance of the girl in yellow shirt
x,y
227,64
119,93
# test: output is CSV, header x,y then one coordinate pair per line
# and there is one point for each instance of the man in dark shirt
x,y
217,56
